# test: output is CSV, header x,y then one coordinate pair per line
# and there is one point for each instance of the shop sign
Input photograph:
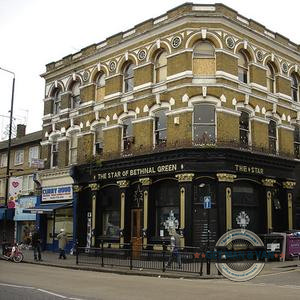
x,y
24,203
249,169
138,171
14,190
207,202
57,193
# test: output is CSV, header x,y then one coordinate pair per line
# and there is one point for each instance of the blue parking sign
x,y
207,202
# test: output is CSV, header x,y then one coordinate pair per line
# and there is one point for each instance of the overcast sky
x,y
34,33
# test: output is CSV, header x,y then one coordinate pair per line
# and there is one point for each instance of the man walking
x,y
174,245
62,243
36,244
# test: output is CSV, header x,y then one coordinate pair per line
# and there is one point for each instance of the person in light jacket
x,y
62,243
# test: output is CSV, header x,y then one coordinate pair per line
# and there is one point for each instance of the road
x,y
29,281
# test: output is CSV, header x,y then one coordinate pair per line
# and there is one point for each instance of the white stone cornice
x,y
229,111
225,51
143,86
258,87
286,127
180,52
179,111
259,119
112,96
143,119
227,76
112,127
284,96
47,99
180,75
45,143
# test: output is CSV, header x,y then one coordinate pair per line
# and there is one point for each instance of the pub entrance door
x,y
136,229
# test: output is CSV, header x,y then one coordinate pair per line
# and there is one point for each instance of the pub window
x,y
295,87
160,128
270,78
73,147
272,137
243,69
98,140
54,154
204,58
128,78
128,138
100,86
297,141
244,129
56,101
110,216
166,207
161,67
204,124
75,97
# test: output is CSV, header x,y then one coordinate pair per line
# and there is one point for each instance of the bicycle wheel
x,y
18,257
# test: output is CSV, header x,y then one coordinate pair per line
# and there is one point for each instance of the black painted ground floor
x,y
201,192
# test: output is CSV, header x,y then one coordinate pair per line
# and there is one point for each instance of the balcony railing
x,y
133,150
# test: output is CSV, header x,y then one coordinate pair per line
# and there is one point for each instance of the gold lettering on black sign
x,y
249,169
137,172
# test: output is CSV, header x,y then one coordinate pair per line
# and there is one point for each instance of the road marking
x,y
40,290
272,274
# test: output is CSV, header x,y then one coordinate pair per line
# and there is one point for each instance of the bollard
x,y
164,255
102,253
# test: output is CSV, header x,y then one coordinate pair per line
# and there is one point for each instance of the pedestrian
x,y
36,244
174,243
62,243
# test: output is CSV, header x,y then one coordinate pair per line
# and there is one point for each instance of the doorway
x,y
136,229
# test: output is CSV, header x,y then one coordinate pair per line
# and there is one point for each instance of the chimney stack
x,y
21,130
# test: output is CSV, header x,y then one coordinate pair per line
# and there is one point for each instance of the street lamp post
x,y
8,151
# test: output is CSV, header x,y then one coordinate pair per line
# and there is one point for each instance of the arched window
x,y
56,101
244,130
98,149
270,77
243,69
204,124
73,144
100,86
297,141
128,78
160,128
127,134
75,94
295,87
161,67
204,58
272,137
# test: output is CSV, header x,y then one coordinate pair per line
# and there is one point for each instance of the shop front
x,y
202,193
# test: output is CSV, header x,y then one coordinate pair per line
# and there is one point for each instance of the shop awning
x,y
9,213
47,208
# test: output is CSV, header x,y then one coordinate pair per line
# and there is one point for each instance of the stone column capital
x,y
76,188
185,177
289,185
145,181
123,183
269,182
226,177
94,187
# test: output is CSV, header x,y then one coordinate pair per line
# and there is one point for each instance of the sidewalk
x,y
51,259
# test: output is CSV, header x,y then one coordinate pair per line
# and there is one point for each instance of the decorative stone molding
x,y
123,183
268,182
76,188
145,181
94,186
289,185
185,177
226,177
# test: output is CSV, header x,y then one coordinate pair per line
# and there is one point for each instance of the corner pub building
x,y
190,119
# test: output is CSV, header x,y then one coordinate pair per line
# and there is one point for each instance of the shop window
x,y
297,142
54,154
204,59
19,157
75,97
161,67
56,101
204,124
128,78
73,148
160,128
244,129
272,137
271,78
166,207
3,161
64,220
243,69
295,87
128,138
100,86
98,140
